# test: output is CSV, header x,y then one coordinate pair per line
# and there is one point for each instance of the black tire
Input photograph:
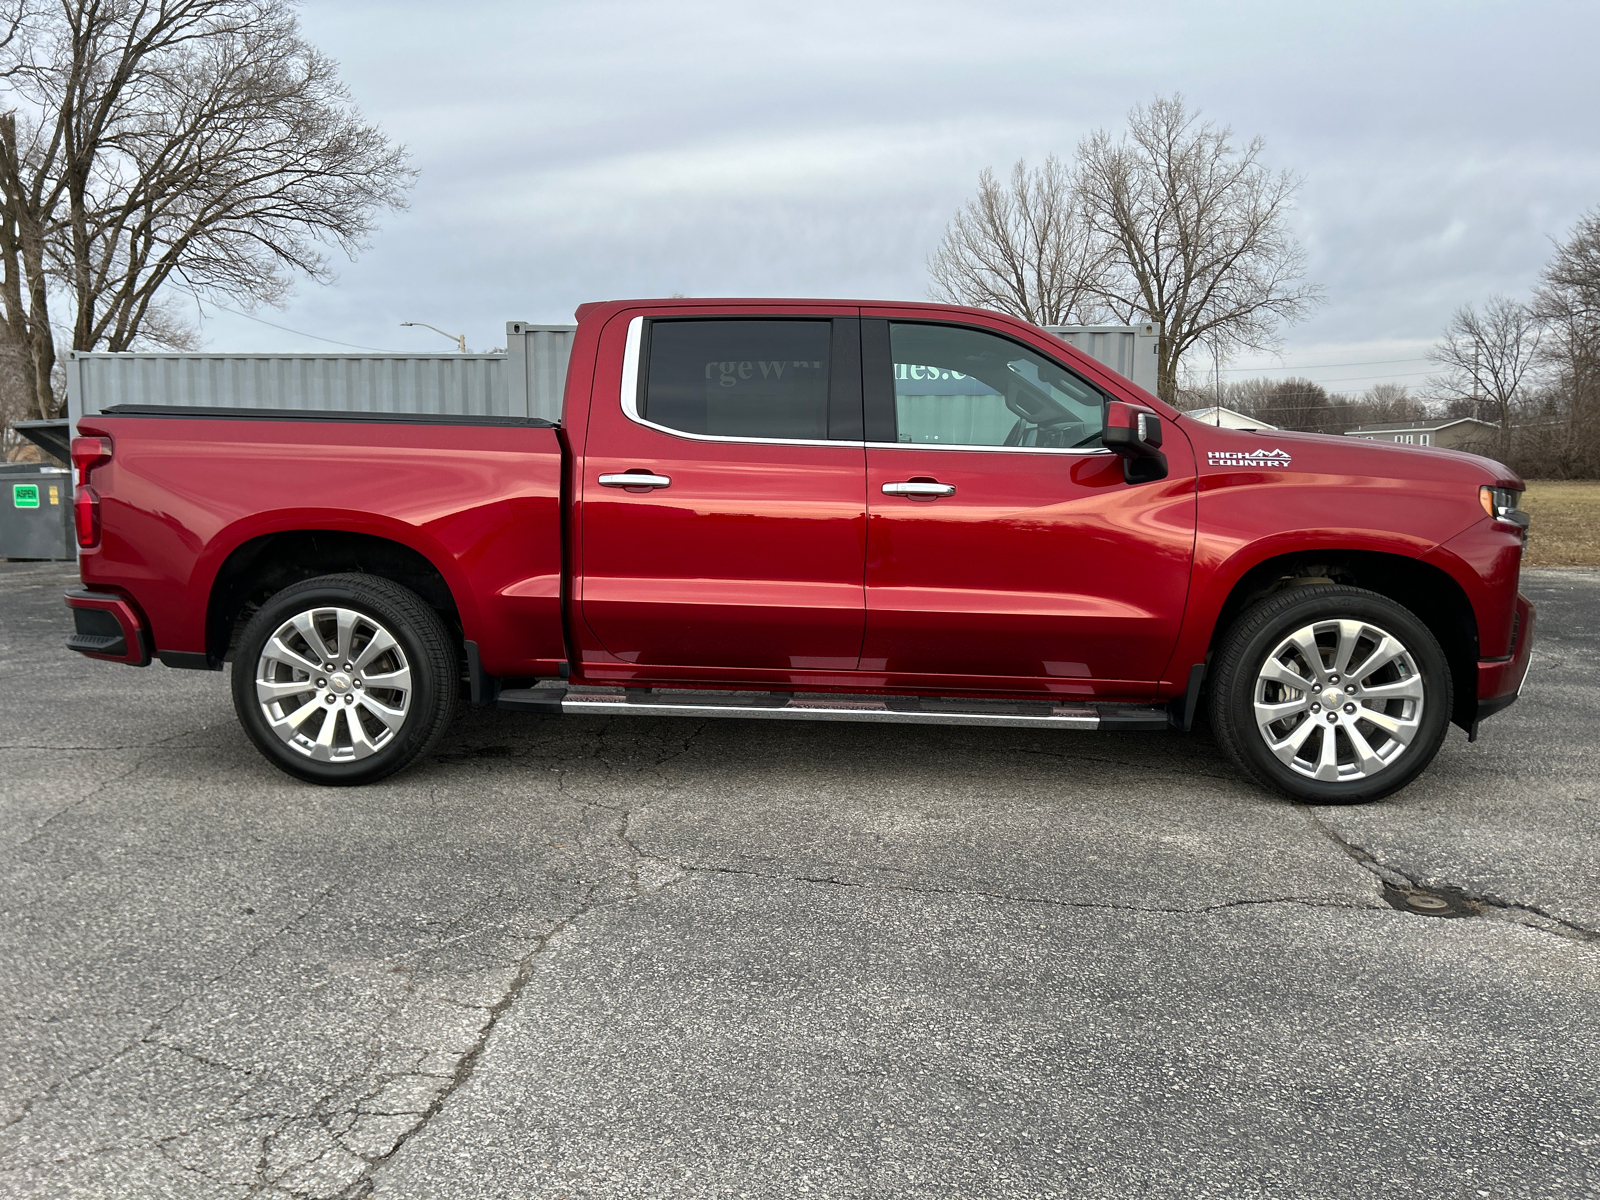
x,y
1264,630
383,727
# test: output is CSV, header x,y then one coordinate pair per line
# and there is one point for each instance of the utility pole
x,y
1216,366
1477,399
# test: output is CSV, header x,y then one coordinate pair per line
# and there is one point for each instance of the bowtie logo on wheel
x,y
1249,458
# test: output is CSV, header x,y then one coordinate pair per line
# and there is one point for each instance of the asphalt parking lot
x,y
607,958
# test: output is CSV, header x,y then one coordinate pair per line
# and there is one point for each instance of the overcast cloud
x,y
573,152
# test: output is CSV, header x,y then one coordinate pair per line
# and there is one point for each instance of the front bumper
x,y
1500,680
107,627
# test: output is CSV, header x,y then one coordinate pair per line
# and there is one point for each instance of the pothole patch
x,y
1431,902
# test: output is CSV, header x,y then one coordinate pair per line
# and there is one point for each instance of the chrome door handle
x,y
919,489
636,481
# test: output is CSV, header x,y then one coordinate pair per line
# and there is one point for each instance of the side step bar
x,y
821,706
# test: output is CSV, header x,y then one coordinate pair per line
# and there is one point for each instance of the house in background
x,y
1450,433
1226,418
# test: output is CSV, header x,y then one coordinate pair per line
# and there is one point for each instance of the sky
x,y
607,149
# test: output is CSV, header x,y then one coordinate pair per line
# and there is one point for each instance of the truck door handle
x,y
636,480
917,487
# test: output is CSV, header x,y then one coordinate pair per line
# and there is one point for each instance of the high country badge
x,y
1248,458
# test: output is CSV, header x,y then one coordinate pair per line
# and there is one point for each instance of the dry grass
x,y
1565,531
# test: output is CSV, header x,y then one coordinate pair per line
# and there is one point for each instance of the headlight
x,y
1501,504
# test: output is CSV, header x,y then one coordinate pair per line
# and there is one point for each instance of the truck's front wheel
x,y
344,679
1330,694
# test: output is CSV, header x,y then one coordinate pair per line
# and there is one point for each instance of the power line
x,y
1365,378
300,332
1376,362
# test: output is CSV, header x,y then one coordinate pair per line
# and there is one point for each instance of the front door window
x,y
955,386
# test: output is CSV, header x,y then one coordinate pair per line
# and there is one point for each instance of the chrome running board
x,y
822,706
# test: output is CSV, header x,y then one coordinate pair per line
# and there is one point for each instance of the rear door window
x,y
739,379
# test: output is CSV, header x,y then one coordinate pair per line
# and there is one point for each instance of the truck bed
x,y
191,495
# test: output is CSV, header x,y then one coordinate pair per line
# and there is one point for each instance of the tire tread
x,y
1229,663
437,647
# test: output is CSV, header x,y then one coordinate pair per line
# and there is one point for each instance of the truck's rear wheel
x,y
1330,694
344,679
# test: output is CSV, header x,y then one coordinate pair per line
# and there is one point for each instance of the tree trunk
x,y
1167,369
27,318
41,341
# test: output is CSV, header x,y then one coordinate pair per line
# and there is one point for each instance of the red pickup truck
x,y
822,510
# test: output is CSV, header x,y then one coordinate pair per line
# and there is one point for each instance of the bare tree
x,y
1488,358
163,149
1196,233
1570,286
1021,249
1568,301
1390,402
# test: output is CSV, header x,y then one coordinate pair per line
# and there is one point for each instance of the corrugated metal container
x,y
1129,350
525,381
464,384
536,365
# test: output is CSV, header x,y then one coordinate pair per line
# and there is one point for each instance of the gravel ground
x,y
576,957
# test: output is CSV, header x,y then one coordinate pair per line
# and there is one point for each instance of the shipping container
x,y
525,380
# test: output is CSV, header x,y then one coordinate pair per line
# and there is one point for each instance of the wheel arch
x,y
267,563
1427,591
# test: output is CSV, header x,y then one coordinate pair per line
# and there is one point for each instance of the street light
x,y
460,339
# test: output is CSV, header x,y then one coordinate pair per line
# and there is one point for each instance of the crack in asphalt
x,y
1010,898
39,829
153,1024
162,744
469,1060
269,1182
594,898
1530,916
159,744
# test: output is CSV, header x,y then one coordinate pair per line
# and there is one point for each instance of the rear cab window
x,y
742,379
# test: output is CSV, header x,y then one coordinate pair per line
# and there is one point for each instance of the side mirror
x,y
1134,432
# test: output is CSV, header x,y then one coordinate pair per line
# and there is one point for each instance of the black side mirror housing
x,y
1134,432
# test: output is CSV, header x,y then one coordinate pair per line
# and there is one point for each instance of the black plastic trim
x,y
482,689
535,700
185,660
305,414
569,516
78,640
877,380
1498,704
1488,708
96,623
1132,718
92,643
1182,708
844,381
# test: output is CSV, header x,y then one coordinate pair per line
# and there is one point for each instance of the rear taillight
x,y
86,516
87,454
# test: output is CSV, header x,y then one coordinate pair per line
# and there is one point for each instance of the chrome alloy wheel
x,y
1339,700
333,684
